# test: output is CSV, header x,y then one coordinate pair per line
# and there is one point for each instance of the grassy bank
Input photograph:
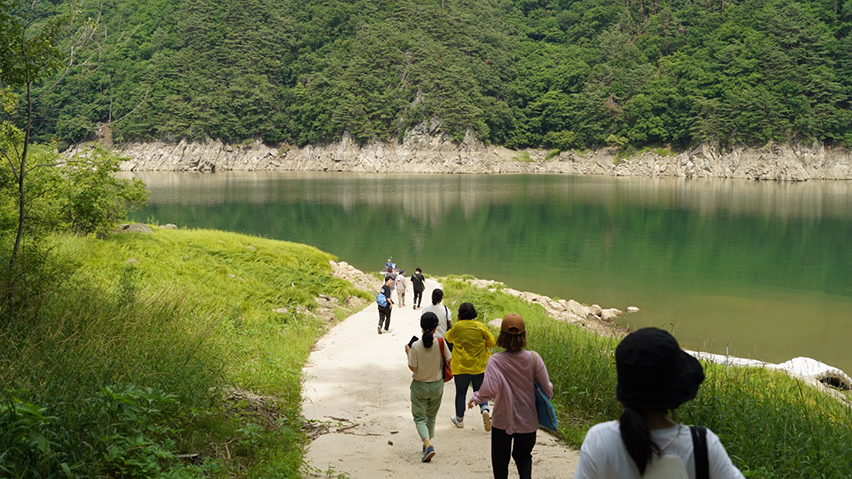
x,y
173,354
178,354
772,426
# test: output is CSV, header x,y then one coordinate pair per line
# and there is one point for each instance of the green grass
x,y
137,349
130,356
773,426
552,154
523,157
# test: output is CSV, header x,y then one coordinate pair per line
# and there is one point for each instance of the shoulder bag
x,y
446,371
546,414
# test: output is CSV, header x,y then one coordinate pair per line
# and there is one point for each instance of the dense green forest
x,y
521,73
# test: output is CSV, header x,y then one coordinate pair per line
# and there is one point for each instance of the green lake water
x,y
756,269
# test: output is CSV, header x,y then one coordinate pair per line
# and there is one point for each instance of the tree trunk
x,y
22,173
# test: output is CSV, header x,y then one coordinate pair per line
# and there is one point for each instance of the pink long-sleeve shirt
x,y
509,382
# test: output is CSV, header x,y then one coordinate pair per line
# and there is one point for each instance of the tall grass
x,y
124,362
772,425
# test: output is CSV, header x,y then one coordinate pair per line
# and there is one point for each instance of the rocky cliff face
x,y
435,154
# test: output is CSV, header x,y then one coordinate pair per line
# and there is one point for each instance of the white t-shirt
x,y
603,454
427,361
443,314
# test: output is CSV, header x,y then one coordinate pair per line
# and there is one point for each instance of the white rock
x,y
611,314
578,308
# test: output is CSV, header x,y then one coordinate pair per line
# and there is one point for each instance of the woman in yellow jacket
x,y
471,340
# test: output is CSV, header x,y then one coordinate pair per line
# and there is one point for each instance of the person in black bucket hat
x,y
655,376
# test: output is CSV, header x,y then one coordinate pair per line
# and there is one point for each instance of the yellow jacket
x,y
471,340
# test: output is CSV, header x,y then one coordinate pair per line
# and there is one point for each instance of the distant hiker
x,y
392,276
418,282
427,383
388,266
442,312
655,376
400,286
471,340
386,305
509,380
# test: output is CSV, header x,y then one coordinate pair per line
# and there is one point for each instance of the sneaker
x,y
380,330
428,454
458,422
486,420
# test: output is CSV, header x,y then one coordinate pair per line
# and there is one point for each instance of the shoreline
x,y
434,155
601,321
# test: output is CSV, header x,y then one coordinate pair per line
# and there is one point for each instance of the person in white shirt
x,y
400,285
441,311
655,376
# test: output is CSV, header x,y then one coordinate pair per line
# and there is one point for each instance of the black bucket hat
x,y
653,372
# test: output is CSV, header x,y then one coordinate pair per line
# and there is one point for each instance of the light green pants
x,y
425,402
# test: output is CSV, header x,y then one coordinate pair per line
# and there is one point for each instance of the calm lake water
x,y
757,269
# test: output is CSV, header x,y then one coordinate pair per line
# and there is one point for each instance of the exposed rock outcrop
x,y
593,318
426,152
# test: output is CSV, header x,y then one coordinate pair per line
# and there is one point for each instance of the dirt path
x,y
357,390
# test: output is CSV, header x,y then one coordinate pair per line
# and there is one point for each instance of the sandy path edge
x,y
356,382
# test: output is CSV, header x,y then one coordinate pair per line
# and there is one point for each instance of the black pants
x,y
418,296
384,317
501,450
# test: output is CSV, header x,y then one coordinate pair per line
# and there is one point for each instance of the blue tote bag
x,y
546,414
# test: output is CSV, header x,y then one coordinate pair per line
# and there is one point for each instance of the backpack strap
x,y
699,447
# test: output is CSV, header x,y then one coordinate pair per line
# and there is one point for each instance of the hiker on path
x,y
419,284
392,276
442,312
427,383
386,306
470,340
654,377
400,286
509,380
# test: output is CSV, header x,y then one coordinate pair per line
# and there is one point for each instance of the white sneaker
x,y
486,420
458,422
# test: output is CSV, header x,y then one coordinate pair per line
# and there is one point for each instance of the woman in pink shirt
x,y
509,379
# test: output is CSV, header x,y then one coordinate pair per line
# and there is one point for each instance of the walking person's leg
x,y
419,411
501,451
522,453
476,382
462,381
387,319
436,393
381,318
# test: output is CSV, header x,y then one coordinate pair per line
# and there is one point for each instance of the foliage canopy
x,y
553,73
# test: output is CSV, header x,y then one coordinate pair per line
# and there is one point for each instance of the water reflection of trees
x,y
429,197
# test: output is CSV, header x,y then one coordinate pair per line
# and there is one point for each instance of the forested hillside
x,y
553,73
